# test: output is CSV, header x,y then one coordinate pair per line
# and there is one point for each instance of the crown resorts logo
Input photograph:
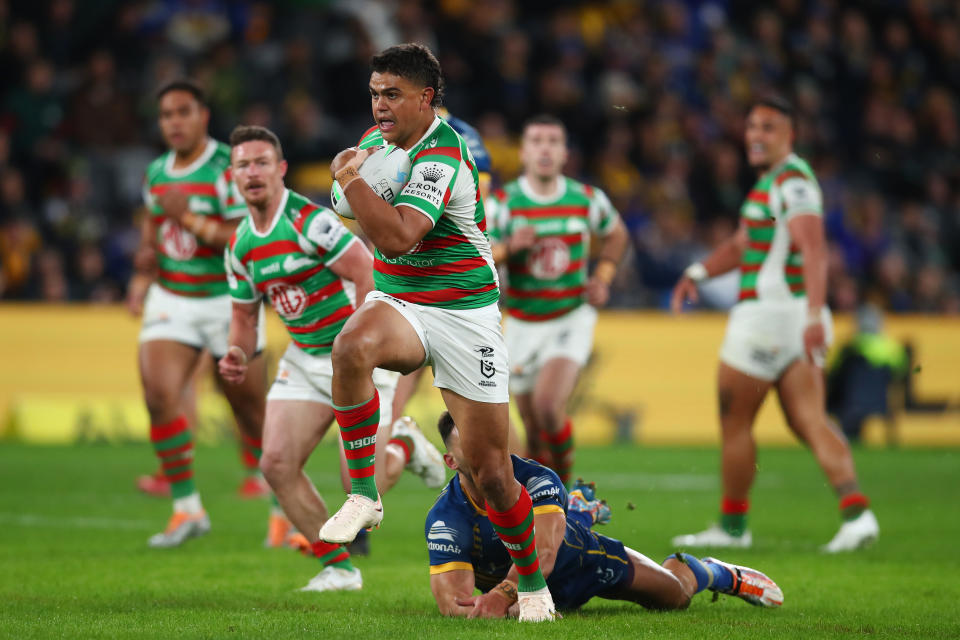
x,y
431,173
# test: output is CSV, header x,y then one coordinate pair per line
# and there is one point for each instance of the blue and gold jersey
x,y
460,536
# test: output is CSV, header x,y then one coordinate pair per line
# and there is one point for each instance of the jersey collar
x,y
466,495
193,166
437,120
276,217
560,189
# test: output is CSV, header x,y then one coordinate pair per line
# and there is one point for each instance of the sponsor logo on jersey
x,y
177,242
273,268
431,173
541,487
446,548
440,531
549,258
289,300
291,264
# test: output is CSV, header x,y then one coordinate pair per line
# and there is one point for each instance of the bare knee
x,y
162,401
355,351
279,469
550,413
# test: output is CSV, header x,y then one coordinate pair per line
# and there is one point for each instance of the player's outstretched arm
x,y
393,230
725,257
242,341
450,587
356,265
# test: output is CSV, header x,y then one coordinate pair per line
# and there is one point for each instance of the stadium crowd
x,y
653,94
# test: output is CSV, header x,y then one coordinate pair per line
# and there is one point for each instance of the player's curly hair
x,y
414,62
245,133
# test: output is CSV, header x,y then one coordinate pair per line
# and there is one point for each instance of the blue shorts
x,y
588,565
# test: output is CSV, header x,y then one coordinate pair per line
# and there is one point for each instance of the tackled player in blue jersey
x,y
579,564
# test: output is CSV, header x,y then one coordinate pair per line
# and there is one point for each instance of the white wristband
x,y
696,272
814,316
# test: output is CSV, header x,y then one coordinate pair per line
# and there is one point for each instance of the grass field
x,y
74,563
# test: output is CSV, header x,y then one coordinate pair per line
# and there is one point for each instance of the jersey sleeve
x,y
432,177
799,196
603,216
495,208
241,284
232,205
544,486
449,540
324,235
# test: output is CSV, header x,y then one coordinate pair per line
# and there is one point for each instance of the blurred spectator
x,y
653,95
861,373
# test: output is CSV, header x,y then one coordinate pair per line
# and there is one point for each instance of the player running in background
x,y
435,303
778,333
300,255
180,287
578,563
541,224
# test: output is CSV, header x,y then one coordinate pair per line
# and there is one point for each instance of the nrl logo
x,y
484,351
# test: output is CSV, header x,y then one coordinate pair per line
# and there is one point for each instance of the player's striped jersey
x,y
548,280
187,265
289,263
452,266
772,267
460,536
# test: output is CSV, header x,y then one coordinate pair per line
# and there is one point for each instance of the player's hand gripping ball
x,y
386,170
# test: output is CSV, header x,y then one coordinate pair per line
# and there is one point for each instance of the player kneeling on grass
x,y
299,255
465,552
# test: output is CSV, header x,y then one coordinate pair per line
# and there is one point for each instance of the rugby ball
x,y
386,170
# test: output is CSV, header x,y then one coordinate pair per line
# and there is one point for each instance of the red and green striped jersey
x,y
549,279
772,267
452,266
290,264
187,265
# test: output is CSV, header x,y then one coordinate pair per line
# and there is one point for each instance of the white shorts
x,y
301,376
196,322
531,344
465,347
764,338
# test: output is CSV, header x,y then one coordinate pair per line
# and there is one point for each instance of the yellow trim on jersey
x,y
547,508
475,506
450,566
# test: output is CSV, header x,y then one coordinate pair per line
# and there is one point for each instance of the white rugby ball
x,y
386,170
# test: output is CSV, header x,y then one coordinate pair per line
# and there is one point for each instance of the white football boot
x,y
715,536
537,606
425,461
335,579
750,585
358,512
182,526
854,534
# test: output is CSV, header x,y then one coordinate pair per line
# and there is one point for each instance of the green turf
x,y
74,563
